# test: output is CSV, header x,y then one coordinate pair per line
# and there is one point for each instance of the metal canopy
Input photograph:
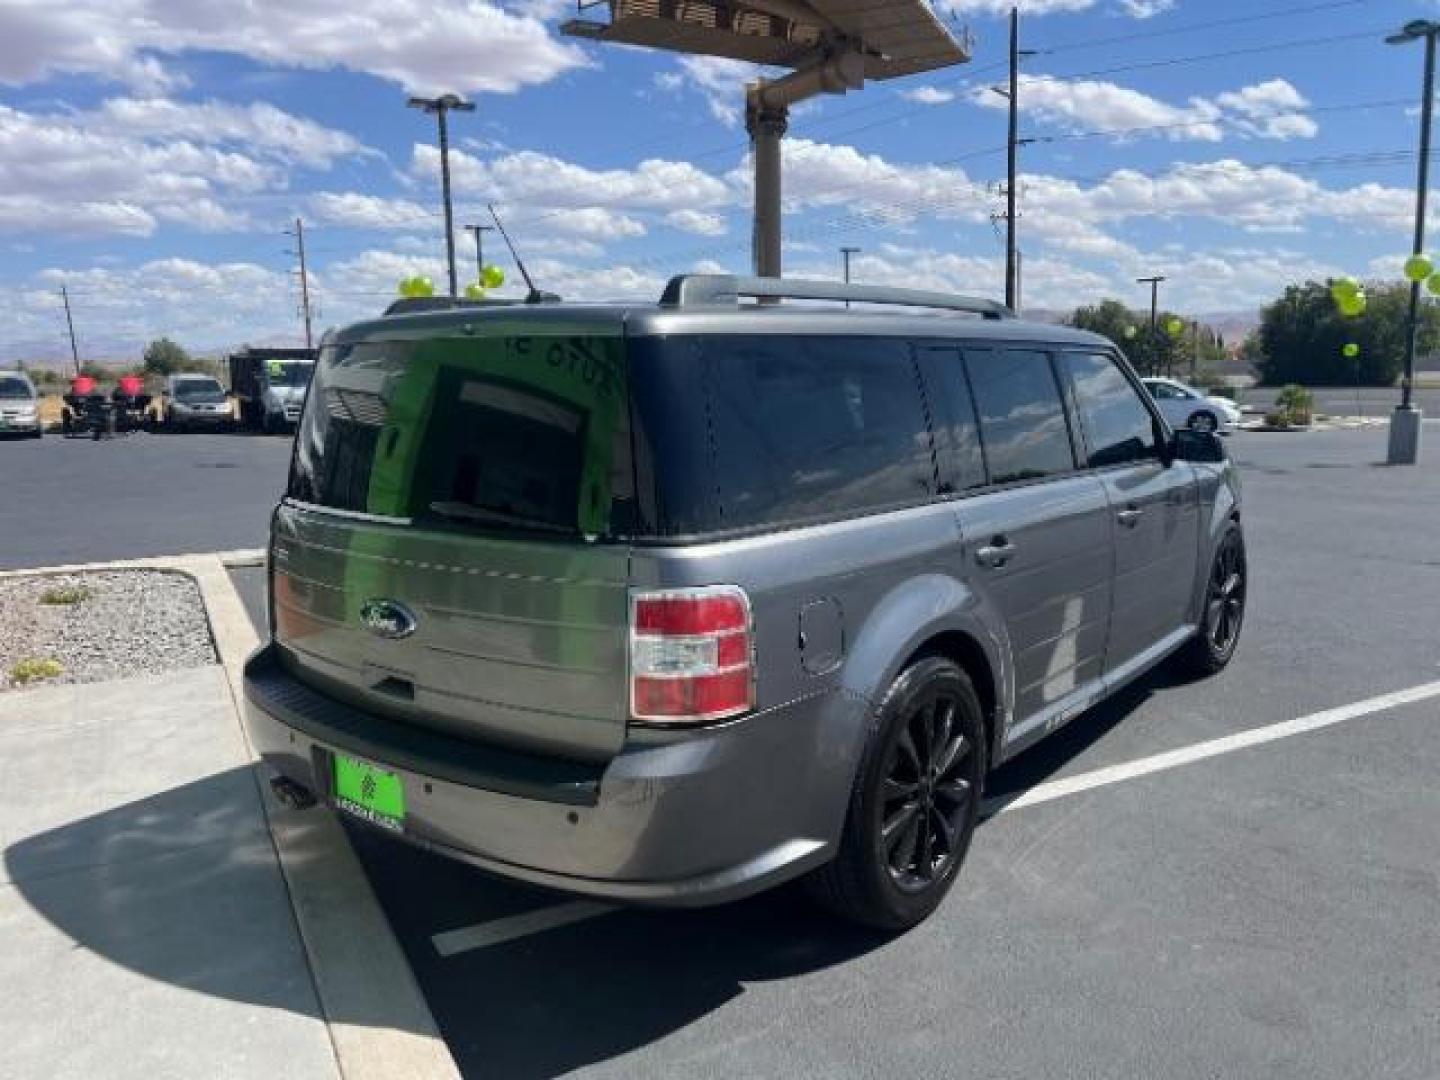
x,y
832,46
896,37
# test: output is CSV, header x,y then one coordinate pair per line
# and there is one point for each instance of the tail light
x,y
691,656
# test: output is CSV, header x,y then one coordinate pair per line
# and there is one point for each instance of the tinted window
x,y
808,428
952,416
1118,427
501,433
1022,417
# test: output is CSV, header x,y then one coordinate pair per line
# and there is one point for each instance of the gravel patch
x,y
128,623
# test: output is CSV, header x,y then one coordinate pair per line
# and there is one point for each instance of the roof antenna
x,y
536,296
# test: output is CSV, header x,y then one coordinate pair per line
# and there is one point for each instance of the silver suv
x,y
671,603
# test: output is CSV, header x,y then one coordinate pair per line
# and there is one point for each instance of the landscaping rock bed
x,y
98,626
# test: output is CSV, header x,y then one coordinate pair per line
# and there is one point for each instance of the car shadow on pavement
x,y
584,994
182,887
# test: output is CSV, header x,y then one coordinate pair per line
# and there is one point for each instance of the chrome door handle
x,y
996,553
1129,517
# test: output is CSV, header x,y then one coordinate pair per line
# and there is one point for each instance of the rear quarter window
x,y
813,428
1023,427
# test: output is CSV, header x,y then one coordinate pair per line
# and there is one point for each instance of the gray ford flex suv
x,y
671,603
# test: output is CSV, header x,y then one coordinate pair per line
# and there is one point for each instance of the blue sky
x,y
152,153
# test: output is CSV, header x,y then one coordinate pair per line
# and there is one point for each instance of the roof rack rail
x,y
710,290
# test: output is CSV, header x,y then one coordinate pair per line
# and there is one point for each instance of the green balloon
x,y
406,284
474,291
1352,306
1130,333
422,286
1344,286
1176,327
1351,350
492,277
1419,267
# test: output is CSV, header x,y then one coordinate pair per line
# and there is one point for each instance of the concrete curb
x,y
380,1025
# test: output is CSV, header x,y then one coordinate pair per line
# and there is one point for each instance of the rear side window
x,y
812,428
513,433
1022,415
1118,427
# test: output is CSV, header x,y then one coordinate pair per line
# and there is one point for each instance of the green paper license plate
x,y
369,792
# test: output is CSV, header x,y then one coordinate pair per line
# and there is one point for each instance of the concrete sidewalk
x,y
161,914
146,925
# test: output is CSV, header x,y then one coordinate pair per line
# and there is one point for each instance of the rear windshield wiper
x,y
455,511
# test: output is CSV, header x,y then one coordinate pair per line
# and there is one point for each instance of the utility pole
x,y
1405,421
479,231
1012,183
74,350
299,235
1154,283
845,253
439,107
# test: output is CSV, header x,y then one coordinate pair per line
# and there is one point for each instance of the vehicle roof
x,y
649,319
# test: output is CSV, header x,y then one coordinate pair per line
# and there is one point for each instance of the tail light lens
x,y
691,657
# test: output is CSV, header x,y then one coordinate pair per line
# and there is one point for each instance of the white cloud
x,y
255,127
1146,9
720,81
119,179
423,45
534,179
824,174
360,211
592,222
118,309
1269,110
928,95
698,222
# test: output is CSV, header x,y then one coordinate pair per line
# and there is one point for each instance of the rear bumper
x,y
690,820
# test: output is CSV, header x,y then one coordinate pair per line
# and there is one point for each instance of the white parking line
x,y
511,928
499,931
1130,770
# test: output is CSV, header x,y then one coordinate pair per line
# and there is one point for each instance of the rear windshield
x,y
12,388
524,434
288,373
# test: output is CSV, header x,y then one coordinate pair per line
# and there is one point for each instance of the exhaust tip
x,y
295,796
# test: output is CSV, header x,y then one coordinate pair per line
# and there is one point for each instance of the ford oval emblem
x,y
387,619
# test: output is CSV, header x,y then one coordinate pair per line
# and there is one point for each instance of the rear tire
x,y
915,802
1222,614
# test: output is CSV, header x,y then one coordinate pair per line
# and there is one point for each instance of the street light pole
x,y
1405,421
845,253
440,107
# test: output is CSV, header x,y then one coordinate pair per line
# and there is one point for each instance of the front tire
x,y
915,802
1223,612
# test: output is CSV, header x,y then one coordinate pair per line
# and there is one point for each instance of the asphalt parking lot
x,y
78,500
1237,911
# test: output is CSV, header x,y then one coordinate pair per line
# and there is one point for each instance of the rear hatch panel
x,y
468,485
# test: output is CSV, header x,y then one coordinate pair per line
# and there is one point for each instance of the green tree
x,y
1302,337
164,357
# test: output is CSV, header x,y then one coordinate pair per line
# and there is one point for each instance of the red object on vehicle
x,y
131,385
82,385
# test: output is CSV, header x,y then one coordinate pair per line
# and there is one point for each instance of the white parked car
x,y
19,405
1185,407
194,400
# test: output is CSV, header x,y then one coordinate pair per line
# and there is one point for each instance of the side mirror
x,y
1202,447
